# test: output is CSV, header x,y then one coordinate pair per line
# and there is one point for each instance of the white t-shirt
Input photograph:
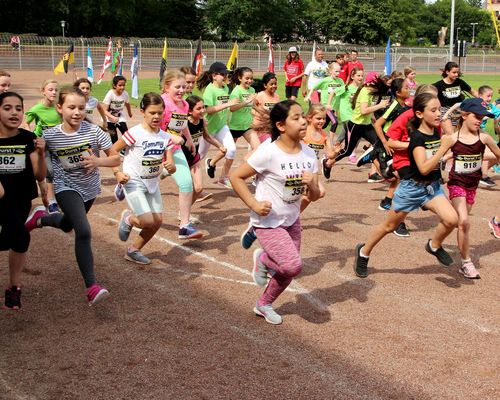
x,y
279,181
315,71
116,104
90,106
144,155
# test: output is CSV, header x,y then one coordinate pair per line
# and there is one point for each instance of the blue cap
x,y
477,106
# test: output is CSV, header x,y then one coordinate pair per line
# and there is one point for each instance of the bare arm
x,y
365,109
38,160
219,107
238,177
490,143
425,166
129,109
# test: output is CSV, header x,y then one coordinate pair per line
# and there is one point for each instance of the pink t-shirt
x,y
175,117
263,103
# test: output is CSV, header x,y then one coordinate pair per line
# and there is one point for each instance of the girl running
x,y
91,102
217,103
264,101
410,73
22,162
175,122
148,151
465,173
113,104
74,149
286,169
420,185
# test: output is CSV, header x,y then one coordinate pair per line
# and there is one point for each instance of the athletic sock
x,y
361,254
465,261
432,248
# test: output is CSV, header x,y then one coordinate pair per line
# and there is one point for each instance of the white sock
x,y
361,254
465,261
432,248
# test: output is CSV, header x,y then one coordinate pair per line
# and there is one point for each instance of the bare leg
x,y
16,265
149,224
394,218
440,206
463,210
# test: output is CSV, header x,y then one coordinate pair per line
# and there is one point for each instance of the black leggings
x,y
13,235
75,217
329,115
354,133
113,127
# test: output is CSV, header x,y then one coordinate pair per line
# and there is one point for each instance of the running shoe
x,y
210,168
374,178
360,263
469,271
487,181
203,196
259,271
137,257
32,221
441,254
248,237
119,192
385,204
96,293
402,230
193,220
189,232
366,157
53,208
496,168
225,182
327,171
268,313
495,228
12,298
124,228
353,159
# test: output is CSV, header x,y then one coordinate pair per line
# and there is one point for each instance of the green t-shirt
x,y
363,97
342,102
327,86
44,117
213,96
241,119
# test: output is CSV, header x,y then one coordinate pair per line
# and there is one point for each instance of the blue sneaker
x,y
496,168
119,193
124,229
366,157
248,237
189,232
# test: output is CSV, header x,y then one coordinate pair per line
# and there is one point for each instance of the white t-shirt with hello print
x,y
144,155
279,181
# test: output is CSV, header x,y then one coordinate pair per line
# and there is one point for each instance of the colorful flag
x,y
134,68
163,65
232,63
198,58
107,61
388,65
270,61
68,58
90,67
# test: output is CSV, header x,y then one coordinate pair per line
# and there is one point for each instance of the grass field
x,y
152,85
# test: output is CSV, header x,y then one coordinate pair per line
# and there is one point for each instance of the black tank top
x,y
467,160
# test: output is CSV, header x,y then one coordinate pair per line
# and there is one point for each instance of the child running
x,y
148,151
420,185
286,169
465,173
91,102
22,161
114,103
74,149
264,101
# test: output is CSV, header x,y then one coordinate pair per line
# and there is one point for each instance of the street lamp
x,y
452,28
63,25
473,30
458,28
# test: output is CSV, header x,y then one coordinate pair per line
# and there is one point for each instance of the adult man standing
x,y
316,70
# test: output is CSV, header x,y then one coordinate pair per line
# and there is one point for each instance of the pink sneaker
x,y
353,159
495,228
96,293
36,214
469,271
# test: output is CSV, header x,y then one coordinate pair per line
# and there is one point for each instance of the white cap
x,y
293,49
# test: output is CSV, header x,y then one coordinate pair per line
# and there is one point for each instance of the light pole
x,y
458,28
473,30
452,28
63,25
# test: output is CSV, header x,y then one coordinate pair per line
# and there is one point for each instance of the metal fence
x,y
43,53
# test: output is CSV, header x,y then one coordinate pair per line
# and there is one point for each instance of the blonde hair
x,y
315,109
332,66
48,82
408,70
426,88
170,77
4,73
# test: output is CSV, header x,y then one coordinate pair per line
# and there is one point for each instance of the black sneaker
x,y
374,178
487,181
13,298
385,204
402,230
327,171
360,263
210,168
443,257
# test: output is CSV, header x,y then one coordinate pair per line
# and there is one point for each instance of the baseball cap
x,y
293,49
371,77
218,68
477,106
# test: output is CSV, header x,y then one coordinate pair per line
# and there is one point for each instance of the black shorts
x,y
191,160
236,133
13,215
291,91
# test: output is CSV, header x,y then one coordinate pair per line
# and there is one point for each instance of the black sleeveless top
x,y
467,160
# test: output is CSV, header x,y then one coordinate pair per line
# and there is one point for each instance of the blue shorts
x,y
411,195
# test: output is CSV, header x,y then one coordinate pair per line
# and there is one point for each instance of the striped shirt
x,y
66,153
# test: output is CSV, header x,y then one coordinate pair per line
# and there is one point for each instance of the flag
x,y
120,66
90,68
134,68
232,63
163,65
197,60
314,51
68,58
270,61
116,59
107,61
388,66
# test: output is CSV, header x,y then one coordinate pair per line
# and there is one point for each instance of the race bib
x,y
245,97
12,159
71,158
316,147
151,168
452,92
196,137
222,99
466,164
431,148
294,188
269,106
177,123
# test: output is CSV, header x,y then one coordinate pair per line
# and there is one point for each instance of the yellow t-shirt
x,y
363,97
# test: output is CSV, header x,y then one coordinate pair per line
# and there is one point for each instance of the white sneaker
x,y
268,313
